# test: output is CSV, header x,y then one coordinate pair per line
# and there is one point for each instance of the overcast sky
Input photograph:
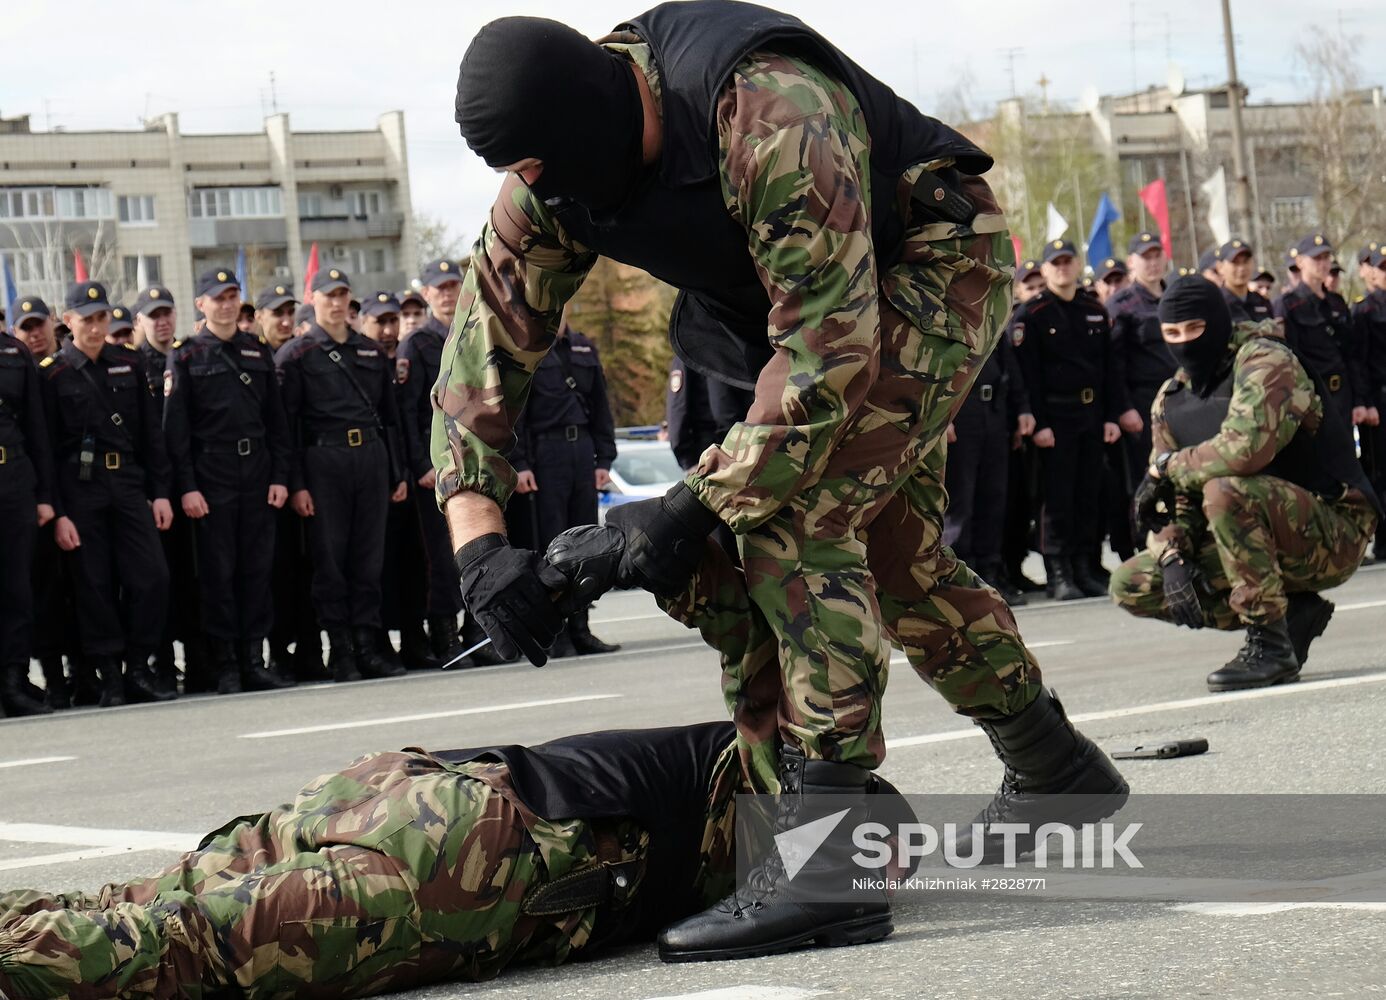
x,y
339,64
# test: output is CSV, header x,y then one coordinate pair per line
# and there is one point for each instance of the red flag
x,y
79,266
308,273
1157,204
1015,242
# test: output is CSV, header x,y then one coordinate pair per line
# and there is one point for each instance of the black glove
x,y
664,540
1181,593
1153,503
589,557
510,592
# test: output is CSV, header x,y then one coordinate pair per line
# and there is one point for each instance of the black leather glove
x,y
664,540
589,558
1153,503
1181,593
510,592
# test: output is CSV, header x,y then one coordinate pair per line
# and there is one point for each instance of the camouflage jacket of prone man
x,y
797,185
1272,398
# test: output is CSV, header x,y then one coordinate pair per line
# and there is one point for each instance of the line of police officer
x,y
260,480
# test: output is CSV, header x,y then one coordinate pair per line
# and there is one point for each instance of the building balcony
x,y
206,234
350,227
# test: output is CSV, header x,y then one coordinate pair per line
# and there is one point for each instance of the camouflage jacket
x,y
791,141
1272,396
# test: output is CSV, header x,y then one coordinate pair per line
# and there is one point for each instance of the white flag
x,y
1215,191
141,273
1058,225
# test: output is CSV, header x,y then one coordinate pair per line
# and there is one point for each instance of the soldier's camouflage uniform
x,y
834,482
400,870
1255,538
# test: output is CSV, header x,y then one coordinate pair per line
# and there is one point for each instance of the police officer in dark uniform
x,y
1319,327
295,622
1143,362
1236,263
979,444
112,497
566,442
339,399
122,328
1369,323
228,446
700,410
417,369
1065,349
404,584
26,505
1022,472
1112,276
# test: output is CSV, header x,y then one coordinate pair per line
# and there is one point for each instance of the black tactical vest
x,y
676,226
1324,462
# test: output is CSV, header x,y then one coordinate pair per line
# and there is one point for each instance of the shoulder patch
x,y
1017,334
130,347
675,380
401,370
46,361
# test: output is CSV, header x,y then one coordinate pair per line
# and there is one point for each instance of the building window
x,y
85,203
27,203
28,266
235,203
136,209
310,206
1296,211
153,270
364,202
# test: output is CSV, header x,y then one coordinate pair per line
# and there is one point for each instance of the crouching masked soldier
x,y
1266,504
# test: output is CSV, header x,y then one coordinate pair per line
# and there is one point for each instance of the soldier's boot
x,y
166,669
562,647
220,655
385,649
583,641
992,572
368,659
1054,774
1059,579
140,684
442,637
486,656
1086,579
414,651
55,680
771,913
112,680
1266,658
200,666
341,657
281,661
1306,620
87,686
14,695
255,675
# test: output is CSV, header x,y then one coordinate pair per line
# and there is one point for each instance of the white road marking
x,y
93,842
1359,607
748,993
34,760
452,713
1304,687
1258,909
631,618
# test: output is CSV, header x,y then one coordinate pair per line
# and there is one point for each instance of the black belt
x,y
1084,396
10,452
350,437
110,460
241,446
569,432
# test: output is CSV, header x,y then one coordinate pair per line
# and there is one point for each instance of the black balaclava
x,y
529,86
1204,360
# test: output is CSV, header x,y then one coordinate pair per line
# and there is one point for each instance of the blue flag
x,y
1100,239
11,293
240,271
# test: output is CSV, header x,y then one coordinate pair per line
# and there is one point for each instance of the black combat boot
x,y
774,911
386,649
255,676
414,650
341,657
221,661
281,661
55,680
584,642
1054,774
15,697
87,686
992,572
442,637
562,646
1305,620
1086,578
112,680
308,661
368,659
1266,658
166,669
140,685
1059,579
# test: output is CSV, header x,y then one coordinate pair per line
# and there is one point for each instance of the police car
x,y
643,469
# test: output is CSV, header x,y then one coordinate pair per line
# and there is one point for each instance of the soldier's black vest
x,y
1324,462
676,226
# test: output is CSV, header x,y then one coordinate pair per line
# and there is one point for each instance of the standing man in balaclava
x,y
856,277
1245,459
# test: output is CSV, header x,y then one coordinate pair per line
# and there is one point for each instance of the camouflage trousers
x,y
1265,538
856,562
398,871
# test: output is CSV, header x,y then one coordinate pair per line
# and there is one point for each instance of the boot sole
x,y
1239,686
861,931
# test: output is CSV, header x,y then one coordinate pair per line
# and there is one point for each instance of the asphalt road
x,y
88,796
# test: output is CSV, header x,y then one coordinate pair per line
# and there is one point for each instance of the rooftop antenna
x,y
1010,55
1044,83
274,94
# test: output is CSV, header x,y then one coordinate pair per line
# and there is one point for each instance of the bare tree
x,y
434,238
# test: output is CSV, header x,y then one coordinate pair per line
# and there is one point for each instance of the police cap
x,y
86,297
